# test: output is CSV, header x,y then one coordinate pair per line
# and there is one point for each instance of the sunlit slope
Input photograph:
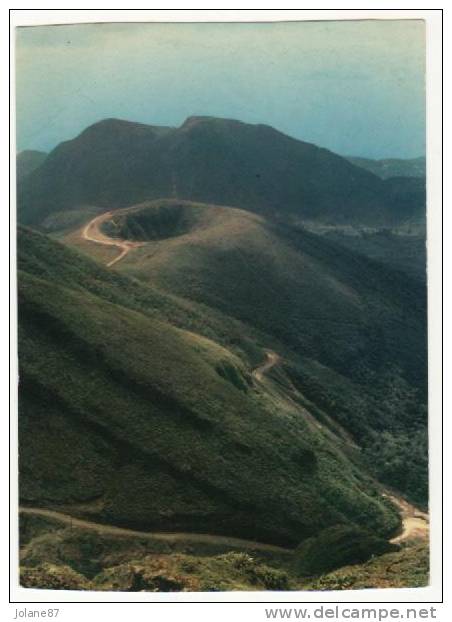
x,y
128,419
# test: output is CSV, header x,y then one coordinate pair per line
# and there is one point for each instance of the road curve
x,y
201,538
271,359
415,524
93,233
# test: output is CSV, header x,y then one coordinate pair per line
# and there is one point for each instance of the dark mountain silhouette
x,y
117,163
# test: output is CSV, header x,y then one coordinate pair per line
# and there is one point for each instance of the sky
x,y
355,87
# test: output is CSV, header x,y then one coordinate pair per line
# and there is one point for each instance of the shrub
x,y
338,546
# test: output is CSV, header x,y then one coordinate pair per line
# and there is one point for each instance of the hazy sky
x,y
354,87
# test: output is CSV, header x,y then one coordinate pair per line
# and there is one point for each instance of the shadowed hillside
x,y
27,161
118,163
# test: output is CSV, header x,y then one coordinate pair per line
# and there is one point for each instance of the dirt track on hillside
x,y
93,233
415,524
271,360
111,530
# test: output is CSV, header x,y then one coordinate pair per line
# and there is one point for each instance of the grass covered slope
x,y
131,418
239,263
351,330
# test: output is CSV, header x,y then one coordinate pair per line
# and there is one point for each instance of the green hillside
x,y
129,419
223,364
352,331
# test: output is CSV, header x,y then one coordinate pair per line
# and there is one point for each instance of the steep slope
x,y
117,163
27,161
133,421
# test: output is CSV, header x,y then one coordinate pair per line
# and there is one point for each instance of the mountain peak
x,y
114,125
115,163
196,120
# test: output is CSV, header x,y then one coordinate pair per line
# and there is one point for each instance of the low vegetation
x,y
63,558
126,418
408,567
338,546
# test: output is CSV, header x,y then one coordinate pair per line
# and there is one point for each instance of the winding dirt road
x,y
271,359
415,524
200,538
93,233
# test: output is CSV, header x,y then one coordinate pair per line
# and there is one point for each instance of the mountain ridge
x,y
392,167
115,163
